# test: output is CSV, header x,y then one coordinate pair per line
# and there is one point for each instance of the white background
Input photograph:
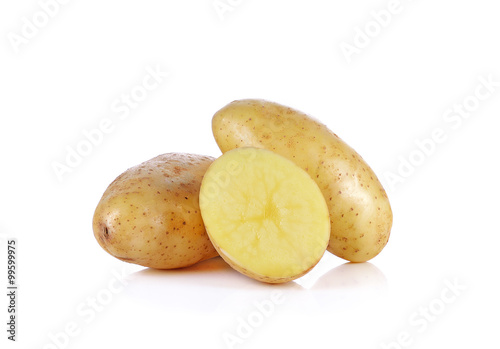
x,y
64,76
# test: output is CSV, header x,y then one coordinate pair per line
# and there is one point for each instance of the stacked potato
x,y
285,190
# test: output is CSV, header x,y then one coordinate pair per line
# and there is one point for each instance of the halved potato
x,y
264,215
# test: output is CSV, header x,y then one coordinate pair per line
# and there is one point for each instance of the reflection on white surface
x,y
213,286
349,285
352,276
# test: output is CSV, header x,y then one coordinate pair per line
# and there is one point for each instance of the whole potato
x,y
150,214
360,213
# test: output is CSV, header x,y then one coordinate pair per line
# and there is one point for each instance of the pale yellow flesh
x,y
265,216
360,213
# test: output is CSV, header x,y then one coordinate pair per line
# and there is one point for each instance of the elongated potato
x,y
360,213
150,214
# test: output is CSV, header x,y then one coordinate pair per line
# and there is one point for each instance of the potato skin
x,y
150,214
360,212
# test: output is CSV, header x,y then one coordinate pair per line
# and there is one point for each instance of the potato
x,y
265,216
150,214
360,213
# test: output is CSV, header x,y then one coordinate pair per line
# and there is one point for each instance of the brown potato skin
x,y
150,214
360,213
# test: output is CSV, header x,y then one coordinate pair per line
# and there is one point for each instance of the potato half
x,y
265,216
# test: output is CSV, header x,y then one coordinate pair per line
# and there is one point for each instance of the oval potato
x,y
360,213
150,214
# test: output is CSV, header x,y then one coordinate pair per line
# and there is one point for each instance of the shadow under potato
x,y
214,272
212,286
210,265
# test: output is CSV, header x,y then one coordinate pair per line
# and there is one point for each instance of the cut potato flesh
x,y
265,216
